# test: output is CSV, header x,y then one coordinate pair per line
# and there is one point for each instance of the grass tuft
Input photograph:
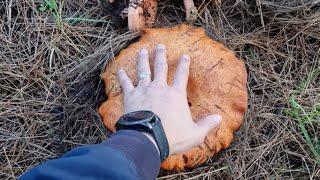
x,y
307,120
52,7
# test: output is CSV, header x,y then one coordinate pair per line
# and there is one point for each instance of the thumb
x,y
210,122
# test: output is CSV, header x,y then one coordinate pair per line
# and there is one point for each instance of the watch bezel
x,y
150,119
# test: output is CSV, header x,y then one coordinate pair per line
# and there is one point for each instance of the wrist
x,y
148,124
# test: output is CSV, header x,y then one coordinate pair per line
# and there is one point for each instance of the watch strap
x,y
161,139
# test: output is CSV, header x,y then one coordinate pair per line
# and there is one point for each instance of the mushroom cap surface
x,y
217,85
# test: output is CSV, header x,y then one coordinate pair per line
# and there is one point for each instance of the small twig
x,y
9,14
9,163
50,59
261,15
86,20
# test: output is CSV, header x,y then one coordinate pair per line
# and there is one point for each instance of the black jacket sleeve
x,y
126,154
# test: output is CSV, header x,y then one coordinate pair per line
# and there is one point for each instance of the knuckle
x,y
183,71
161,64
185,65
156,85
143,82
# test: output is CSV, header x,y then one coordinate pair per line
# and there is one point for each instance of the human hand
x,y
168,102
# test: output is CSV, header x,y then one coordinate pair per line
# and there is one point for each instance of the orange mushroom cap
x,y
217,85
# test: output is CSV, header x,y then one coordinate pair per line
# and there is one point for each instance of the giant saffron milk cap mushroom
x,y
217,85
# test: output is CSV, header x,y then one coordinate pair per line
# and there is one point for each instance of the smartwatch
x,y
146,121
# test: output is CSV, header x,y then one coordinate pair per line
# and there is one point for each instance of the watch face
x,y
138,116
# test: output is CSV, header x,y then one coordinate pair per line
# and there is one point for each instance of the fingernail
x,y
218,118
144,52
161,47
185,57
120,71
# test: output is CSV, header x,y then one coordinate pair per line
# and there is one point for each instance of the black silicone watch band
x,y
159,135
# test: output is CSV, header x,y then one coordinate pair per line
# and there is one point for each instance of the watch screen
x,y
137,116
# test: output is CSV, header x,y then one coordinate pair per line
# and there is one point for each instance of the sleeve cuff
x,y
139,149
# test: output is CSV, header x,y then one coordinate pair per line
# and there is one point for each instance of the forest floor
x,y
52,54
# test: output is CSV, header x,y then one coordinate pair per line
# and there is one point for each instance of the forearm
x,y
125,155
